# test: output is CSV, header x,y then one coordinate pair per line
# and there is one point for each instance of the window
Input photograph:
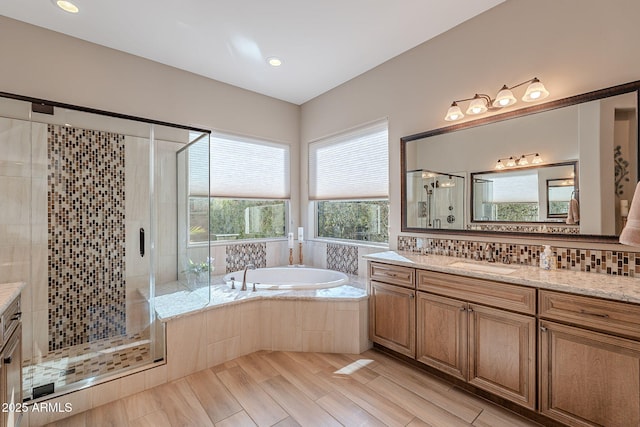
x,y
349,184
248,187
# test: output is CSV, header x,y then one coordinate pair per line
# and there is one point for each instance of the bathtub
x,y
289,278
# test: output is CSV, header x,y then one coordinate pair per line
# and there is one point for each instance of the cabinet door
x,y
588,378
393,317
502,353
442,333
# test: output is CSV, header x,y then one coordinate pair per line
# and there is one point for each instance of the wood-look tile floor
x,y
303,389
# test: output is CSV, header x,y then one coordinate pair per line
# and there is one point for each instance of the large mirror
x,y
567,167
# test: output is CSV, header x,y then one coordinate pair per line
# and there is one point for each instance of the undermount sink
x,y
484,268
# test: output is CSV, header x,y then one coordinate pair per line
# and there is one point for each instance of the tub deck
x,y
174,300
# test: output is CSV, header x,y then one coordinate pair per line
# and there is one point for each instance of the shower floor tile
x,y
69,365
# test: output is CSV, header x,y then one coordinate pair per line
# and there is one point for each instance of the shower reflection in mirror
x,y
438,199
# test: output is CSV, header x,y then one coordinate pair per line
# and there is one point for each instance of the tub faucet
x,y
244,276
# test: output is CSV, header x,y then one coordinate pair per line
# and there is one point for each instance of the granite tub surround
x,y
173,301
616,288
617,263
8,292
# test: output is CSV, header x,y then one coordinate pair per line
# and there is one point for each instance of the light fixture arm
x,y
533,80
486,98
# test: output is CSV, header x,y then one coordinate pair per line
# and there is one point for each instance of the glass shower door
x,y
89,221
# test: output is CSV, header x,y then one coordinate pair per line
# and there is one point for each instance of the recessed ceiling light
x,y
67,6
274,62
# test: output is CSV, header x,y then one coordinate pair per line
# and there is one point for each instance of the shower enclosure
x,y
89,223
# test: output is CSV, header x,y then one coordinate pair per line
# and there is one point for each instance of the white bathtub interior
x,y
289,278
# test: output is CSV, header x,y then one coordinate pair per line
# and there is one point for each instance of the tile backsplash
x,y
239,255
620,263
342,258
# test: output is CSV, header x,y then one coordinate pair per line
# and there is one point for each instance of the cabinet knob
x,y
412,296
463,309
543,329
7,360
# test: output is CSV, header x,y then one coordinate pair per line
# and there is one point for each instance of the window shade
x,y
352,165
240,168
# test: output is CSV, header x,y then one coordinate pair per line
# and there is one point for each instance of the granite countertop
x,y
600,285
8,292
174,300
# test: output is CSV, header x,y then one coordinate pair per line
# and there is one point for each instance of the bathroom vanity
x,y
10,354
564,344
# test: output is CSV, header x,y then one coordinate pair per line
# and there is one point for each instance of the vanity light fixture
x,y
67,6
523,160
481,103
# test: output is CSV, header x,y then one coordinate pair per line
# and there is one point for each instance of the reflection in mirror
x,y
437,200
559,195
538,194
597,130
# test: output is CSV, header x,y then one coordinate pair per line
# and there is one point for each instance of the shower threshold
x,y
70,365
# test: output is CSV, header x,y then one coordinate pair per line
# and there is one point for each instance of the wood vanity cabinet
x,y
589,360
480,331
392,307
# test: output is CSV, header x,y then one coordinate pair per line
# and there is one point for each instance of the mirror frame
x,y
538,108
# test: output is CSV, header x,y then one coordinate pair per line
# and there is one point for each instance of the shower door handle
x,y
141,242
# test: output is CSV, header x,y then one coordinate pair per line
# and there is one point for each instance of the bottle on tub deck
x,y
546,258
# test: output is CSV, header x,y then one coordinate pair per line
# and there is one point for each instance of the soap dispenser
x,y
546,258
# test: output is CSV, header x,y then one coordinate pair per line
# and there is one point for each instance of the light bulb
x,y
274,62
67,6
499,165
535,91
511,162
454,113
504,98
477,106
537,159
523,161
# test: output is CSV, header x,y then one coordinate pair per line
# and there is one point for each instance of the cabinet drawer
x,y
396,275
608,316
495,294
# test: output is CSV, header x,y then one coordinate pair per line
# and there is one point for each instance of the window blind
x,y
239,167
351,165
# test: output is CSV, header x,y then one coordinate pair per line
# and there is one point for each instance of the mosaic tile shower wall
x,y
238,256
86,236
617,263
342,258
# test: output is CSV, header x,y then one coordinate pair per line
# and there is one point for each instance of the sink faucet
x,y
244,277
489,256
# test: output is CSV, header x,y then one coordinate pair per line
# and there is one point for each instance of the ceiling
x,y
322,44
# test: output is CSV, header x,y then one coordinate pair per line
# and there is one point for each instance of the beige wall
x,y
573,46
44,64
